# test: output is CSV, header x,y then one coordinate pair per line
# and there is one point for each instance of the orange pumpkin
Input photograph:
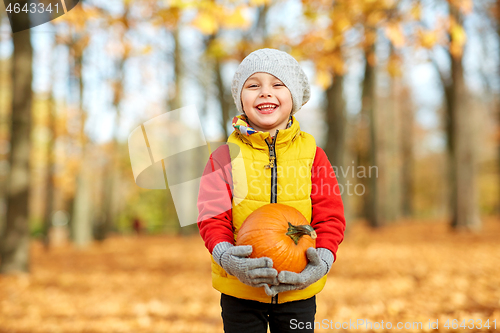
x,y
279,232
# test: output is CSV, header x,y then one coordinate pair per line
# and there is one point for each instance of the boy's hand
x,y
320,261
255,272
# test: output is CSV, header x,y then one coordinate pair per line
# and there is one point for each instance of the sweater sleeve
x,y
327,208
214,200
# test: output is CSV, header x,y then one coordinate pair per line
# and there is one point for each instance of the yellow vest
x,y
252,178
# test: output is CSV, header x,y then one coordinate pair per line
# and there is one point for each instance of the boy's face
x,y
267,102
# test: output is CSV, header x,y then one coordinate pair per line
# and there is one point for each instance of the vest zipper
x,y
274,171
274,182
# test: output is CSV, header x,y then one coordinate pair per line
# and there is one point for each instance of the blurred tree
x,y
3,134
459,124
460,128
495,13
110,195
391,139
325,45
368,155
14,245
77,38
168,17
50,169
407,153
212,20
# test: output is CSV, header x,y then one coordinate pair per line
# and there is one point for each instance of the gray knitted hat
x,y
277,63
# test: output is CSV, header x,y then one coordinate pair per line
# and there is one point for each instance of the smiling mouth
x,y
266,108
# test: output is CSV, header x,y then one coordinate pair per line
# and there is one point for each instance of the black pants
x,y
245,316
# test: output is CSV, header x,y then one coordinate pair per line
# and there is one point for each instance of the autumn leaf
x,y
416,11
146,50
427,39
394,66
258,3
162,283
323,79
465,6
395,34
217,49
458,39
235,19
168,17
206,23
341,23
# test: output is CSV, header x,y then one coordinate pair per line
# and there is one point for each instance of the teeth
x,y
266,106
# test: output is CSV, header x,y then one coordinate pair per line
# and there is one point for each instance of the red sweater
x,y
214,202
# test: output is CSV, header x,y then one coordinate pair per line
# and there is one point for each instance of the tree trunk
x,y
461,138
112,169
50,174
176,101
336,137
336,121
406,135
465,196
392,149
179,164
14,249
223,98
369,156
3,86
498,102
81,224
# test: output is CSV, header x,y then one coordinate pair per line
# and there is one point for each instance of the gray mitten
x,y
320,262
255,272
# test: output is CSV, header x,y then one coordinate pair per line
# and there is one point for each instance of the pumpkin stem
x,y
296,232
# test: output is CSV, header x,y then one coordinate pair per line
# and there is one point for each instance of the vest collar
x,y
257,139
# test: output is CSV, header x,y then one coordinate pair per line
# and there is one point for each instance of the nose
x,y
265,92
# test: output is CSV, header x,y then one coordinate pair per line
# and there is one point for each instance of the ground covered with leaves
x,y
405,274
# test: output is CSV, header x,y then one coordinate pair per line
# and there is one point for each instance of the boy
x,y
279,163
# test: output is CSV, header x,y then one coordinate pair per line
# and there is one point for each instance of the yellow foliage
x,y
310,13
181,4
370,37
338,64
394,66
458,39
217,49
168,17
235,19
147,50
395,34
371,59
258,3
77,17
329,45
206,23
416,11
127,49
323,79
341,23
374,18
211,17
427,39
465,6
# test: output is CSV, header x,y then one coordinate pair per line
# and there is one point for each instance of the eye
x,y
278,84
252,85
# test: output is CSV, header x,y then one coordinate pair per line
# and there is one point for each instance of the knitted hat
x,y
277,63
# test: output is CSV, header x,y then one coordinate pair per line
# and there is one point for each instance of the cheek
x,y
246,99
